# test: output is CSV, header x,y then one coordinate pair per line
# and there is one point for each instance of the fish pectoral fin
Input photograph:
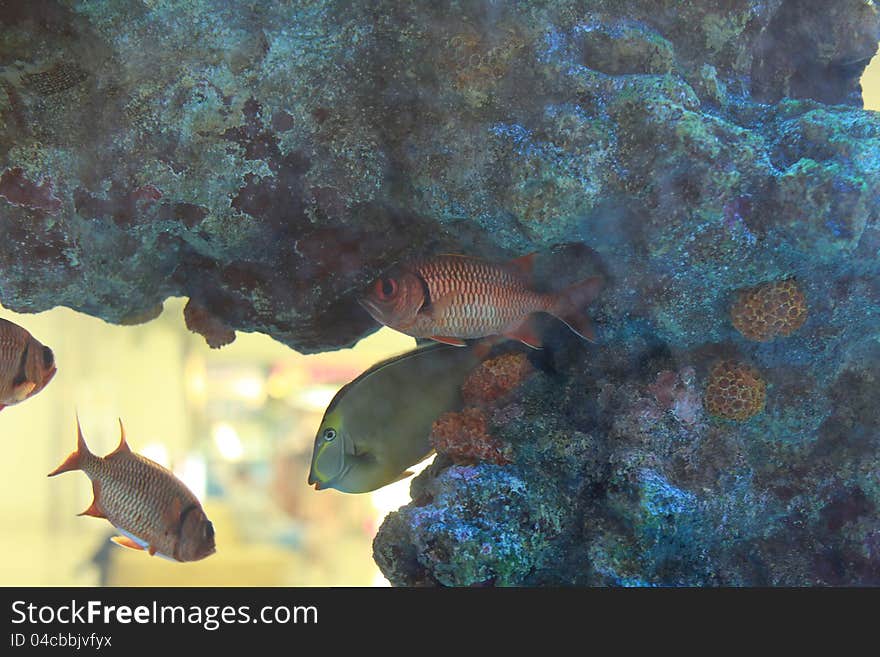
x,y
23,390
126,542
527,334
456,342
436,307
152,550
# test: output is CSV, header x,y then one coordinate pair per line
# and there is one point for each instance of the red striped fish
x,y
152,508
26,366
450,297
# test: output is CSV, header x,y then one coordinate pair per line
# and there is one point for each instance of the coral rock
x,y
496,378
735,391
142,316
61,77
200,320
761,313
464,437
18,190
692,148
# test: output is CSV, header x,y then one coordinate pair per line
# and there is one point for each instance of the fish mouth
x,y
370,307
329,483
322,485
317,483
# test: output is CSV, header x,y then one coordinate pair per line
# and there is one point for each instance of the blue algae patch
x,y
500,545
838,228
519,135
660,498
554,42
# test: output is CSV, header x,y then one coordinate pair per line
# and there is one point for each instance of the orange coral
x,y
495,378
770,309
465,438
735,391
200,320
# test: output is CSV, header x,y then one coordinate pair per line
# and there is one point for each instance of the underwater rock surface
x,y
269,159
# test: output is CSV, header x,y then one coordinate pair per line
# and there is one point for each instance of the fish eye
x,y
209,530
48,357
386,288
329,434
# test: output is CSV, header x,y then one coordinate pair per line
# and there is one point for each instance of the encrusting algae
x,y
464,437
200,320
496,378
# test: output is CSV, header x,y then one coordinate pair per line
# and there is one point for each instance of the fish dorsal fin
x,y
74,461
122,447
524,265
378,366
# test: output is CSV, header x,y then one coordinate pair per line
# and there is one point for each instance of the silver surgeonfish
x,y
379,425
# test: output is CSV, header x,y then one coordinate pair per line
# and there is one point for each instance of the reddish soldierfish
x,y
451,297
153,509
26,366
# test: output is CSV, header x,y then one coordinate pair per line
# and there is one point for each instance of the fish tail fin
x,y
570,305
76,459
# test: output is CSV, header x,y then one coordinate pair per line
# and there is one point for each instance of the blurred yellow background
x,y
871,85
236,424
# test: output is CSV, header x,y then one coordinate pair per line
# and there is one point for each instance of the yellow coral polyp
x,y
769,310
735,391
